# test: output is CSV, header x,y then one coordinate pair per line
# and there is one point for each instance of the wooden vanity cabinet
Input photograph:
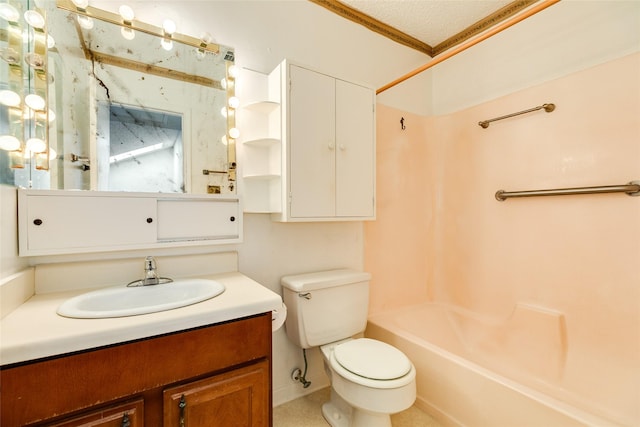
x,y
223,371
122,415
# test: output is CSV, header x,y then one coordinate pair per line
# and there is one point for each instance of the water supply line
x,y
298,375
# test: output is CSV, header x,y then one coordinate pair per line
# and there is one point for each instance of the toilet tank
x,y
325,306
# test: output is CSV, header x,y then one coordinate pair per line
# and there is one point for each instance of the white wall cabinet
x,y
52,222
326,148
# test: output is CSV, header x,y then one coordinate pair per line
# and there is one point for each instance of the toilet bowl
x,y
369,381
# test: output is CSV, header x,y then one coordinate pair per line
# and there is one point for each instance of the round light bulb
x,y
167,44
9,98
50,42
169,26
234,102
34,19
85,22
233,71
81,4
36,145
223,111
127,13
52,154
9,12
52,115
35,102
223,83
234,133
127,33
206,37
9,143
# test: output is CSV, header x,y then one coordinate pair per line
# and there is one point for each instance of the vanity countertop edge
x,y
34,330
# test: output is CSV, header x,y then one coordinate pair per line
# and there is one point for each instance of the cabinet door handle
x,y
125,420
182,404
332,146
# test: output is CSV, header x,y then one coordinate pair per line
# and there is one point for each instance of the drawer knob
x,y
149,220
233,218
37,221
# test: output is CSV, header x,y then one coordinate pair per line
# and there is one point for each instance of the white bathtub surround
x,y
34,330
460,382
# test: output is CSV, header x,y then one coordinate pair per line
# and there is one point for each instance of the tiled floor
x,y
306,412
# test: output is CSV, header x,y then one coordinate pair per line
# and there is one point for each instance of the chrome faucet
x,y
150,275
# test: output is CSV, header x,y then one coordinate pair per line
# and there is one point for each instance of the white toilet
x,y
369,379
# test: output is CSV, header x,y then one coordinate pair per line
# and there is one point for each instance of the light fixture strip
x,y
231,122
115,18
16,84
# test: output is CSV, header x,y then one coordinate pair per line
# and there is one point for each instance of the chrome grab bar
x,y
631,189
547,107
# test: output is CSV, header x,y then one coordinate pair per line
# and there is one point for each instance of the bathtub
x,y
482,372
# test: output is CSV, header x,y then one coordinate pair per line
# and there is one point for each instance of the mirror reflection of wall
x,y
145,150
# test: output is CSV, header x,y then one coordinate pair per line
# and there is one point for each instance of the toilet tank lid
x,y
324,279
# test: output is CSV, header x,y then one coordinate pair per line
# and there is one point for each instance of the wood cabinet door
x,y
122,415
238,398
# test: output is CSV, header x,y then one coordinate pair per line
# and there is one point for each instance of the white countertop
x,y
34,330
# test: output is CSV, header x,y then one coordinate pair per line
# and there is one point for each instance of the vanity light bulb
x,y
9,12
52,116
127,13
52,154
206,38
34,19
50,42
169,27
35,102
167,44
233,71
127,33
9,143
9,98
234,102
234,133
85,22
223,83
81,4
223,111
36,145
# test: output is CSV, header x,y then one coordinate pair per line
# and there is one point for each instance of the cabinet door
x,y
239,398
122,415
355,150
312,144
81,223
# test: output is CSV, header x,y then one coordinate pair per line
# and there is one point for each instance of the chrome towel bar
x,y
547,107
632,189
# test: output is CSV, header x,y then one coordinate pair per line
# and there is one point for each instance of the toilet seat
x,y
372,363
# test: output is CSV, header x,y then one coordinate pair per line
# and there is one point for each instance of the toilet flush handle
x,y
306,295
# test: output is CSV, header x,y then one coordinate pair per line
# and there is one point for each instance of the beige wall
x,y
442,236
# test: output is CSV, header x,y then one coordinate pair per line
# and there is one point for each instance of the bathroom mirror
x,y
129,89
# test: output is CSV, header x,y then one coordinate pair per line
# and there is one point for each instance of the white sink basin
x,y
125,301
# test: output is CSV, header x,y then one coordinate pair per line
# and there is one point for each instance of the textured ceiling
x,y
430,21
430,26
